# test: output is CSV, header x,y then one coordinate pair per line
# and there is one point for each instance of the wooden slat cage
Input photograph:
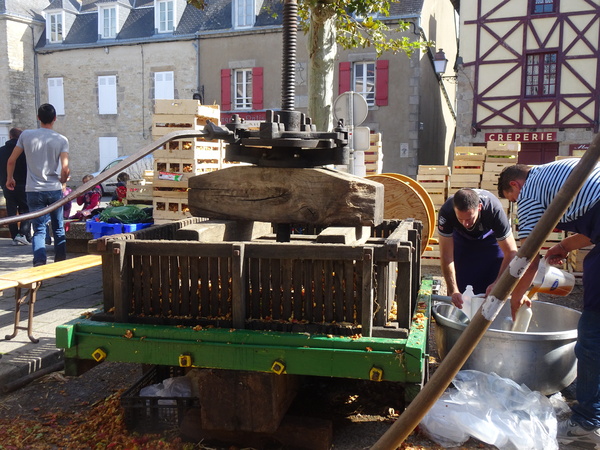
x,y
264,285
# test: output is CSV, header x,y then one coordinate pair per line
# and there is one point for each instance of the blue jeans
x,y
16,203
37,201
586,411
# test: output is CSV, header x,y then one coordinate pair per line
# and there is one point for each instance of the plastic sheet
x,y
171,387
494,410
126,214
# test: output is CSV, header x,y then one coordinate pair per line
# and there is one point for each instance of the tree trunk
x,y
322,50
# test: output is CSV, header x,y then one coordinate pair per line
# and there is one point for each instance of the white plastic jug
x,y
522,319
552,280
467,298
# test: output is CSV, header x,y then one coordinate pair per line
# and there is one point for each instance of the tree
x,y
350,24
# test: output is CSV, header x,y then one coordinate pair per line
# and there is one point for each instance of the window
x,y
371,79
243,13
56,95
107,23
543,6
540,79
107,94
247,88
165,16
55,27
242,88
164,86
364,81
108,150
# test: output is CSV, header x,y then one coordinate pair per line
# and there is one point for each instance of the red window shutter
x,y
225,89
382,82
257,88
345,77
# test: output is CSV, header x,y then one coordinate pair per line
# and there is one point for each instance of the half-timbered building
x,y
528,72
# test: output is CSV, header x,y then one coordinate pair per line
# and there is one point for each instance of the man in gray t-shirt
x,y
47,154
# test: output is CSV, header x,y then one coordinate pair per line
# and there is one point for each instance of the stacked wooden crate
x,y
498,156
467,168
140,191
575,261
374,156
436,181
181,159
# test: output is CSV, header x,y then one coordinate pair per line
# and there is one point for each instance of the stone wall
x,y
134,67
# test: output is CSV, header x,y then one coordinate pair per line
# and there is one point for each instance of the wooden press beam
x,y
479,324
286,195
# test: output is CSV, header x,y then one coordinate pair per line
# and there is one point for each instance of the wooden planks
x,y
285,195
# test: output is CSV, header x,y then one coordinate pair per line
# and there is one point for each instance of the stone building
x,y
21,25
103,63
529,72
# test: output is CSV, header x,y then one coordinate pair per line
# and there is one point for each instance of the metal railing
x,y
145,151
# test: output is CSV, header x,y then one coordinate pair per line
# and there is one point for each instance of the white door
x,y
108,150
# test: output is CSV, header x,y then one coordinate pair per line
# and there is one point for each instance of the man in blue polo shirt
x,y
476,242
534,189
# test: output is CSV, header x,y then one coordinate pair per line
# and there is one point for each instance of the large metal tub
x,y
543,358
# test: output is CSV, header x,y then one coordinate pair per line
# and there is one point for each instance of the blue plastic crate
x,y
99,229
131,227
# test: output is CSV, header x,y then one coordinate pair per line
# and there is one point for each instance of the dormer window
x,y
243,13
107,22
164,16
54,29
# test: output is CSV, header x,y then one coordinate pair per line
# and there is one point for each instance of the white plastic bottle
x,y
522,319
467,297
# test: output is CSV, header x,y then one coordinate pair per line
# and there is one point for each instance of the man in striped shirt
x,y
534,189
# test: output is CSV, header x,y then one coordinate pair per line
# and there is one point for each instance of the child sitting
x,y
89,201
121,190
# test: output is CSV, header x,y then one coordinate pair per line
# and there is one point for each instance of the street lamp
x,y
440,62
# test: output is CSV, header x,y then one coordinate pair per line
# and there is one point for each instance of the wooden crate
x,y
490,176
438,199
139,190
433,170
179,170
177,106
469,153
434,181
503,145
459,180
491,166
491,186
576,257
170,192
373,156
190,148
505,157
467,167
166,123
170,208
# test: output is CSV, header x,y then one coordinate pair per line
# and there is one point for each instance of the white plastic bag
x,y
171,387
494,410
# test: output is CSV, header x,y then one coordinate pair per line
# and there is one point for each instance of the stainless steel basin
x,y
543,358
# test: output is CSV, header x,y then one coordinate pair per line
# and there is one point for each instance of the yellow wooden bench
x,y
31,280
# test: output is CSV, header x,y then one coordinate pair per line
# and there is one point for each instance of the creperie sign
x,y
533,136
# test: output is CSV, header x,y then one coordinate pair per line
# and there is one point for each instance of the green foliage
x,y
361,24
200,4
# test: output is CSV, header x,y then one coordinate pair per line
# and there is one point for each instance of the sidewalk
x,y
59,300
